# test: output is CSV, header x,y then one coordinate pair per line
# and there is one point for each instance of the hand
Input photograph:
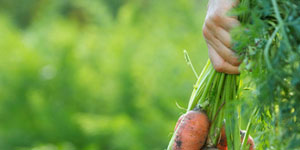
x,y
216,31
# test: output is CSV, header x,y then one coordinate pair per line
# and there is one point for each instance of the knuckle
x,y
235,62
233,59
209,22
216,17
205,31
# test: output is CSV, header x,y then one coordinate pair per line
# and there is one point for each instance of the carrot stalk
x,y
249,125
199,86
211,92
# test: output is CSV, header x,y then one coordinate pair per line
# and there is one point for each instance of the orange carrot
x,y
192,132
222,144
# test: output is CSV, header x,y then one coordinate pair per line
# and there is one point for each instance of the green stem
x,y
202,101
267,48
199,85
189,62
281,24
216,114
228,114
218,94
246,136
213,98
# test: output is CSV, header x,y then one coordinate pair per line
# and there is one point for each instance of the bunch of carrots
x,y
211,119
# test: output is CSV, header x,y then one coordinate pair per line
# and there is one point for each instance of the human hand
x,y
216,31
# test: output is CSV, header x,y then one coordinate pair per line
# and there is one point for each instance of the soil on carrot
x,y
192,132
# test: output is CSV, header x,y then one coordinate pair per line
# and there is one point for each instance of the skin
x,y
192,132
216,31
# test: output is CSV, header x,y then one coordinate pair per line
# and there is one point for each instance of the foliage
x,y
95,74
268,43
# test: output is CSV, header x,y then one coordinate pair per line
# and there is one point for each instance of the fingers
x,y
227,54
216,31
224,21
228,23
219,64
219,33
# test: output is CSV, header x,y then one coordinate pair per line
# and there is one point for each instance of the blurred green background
x,y
96,74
